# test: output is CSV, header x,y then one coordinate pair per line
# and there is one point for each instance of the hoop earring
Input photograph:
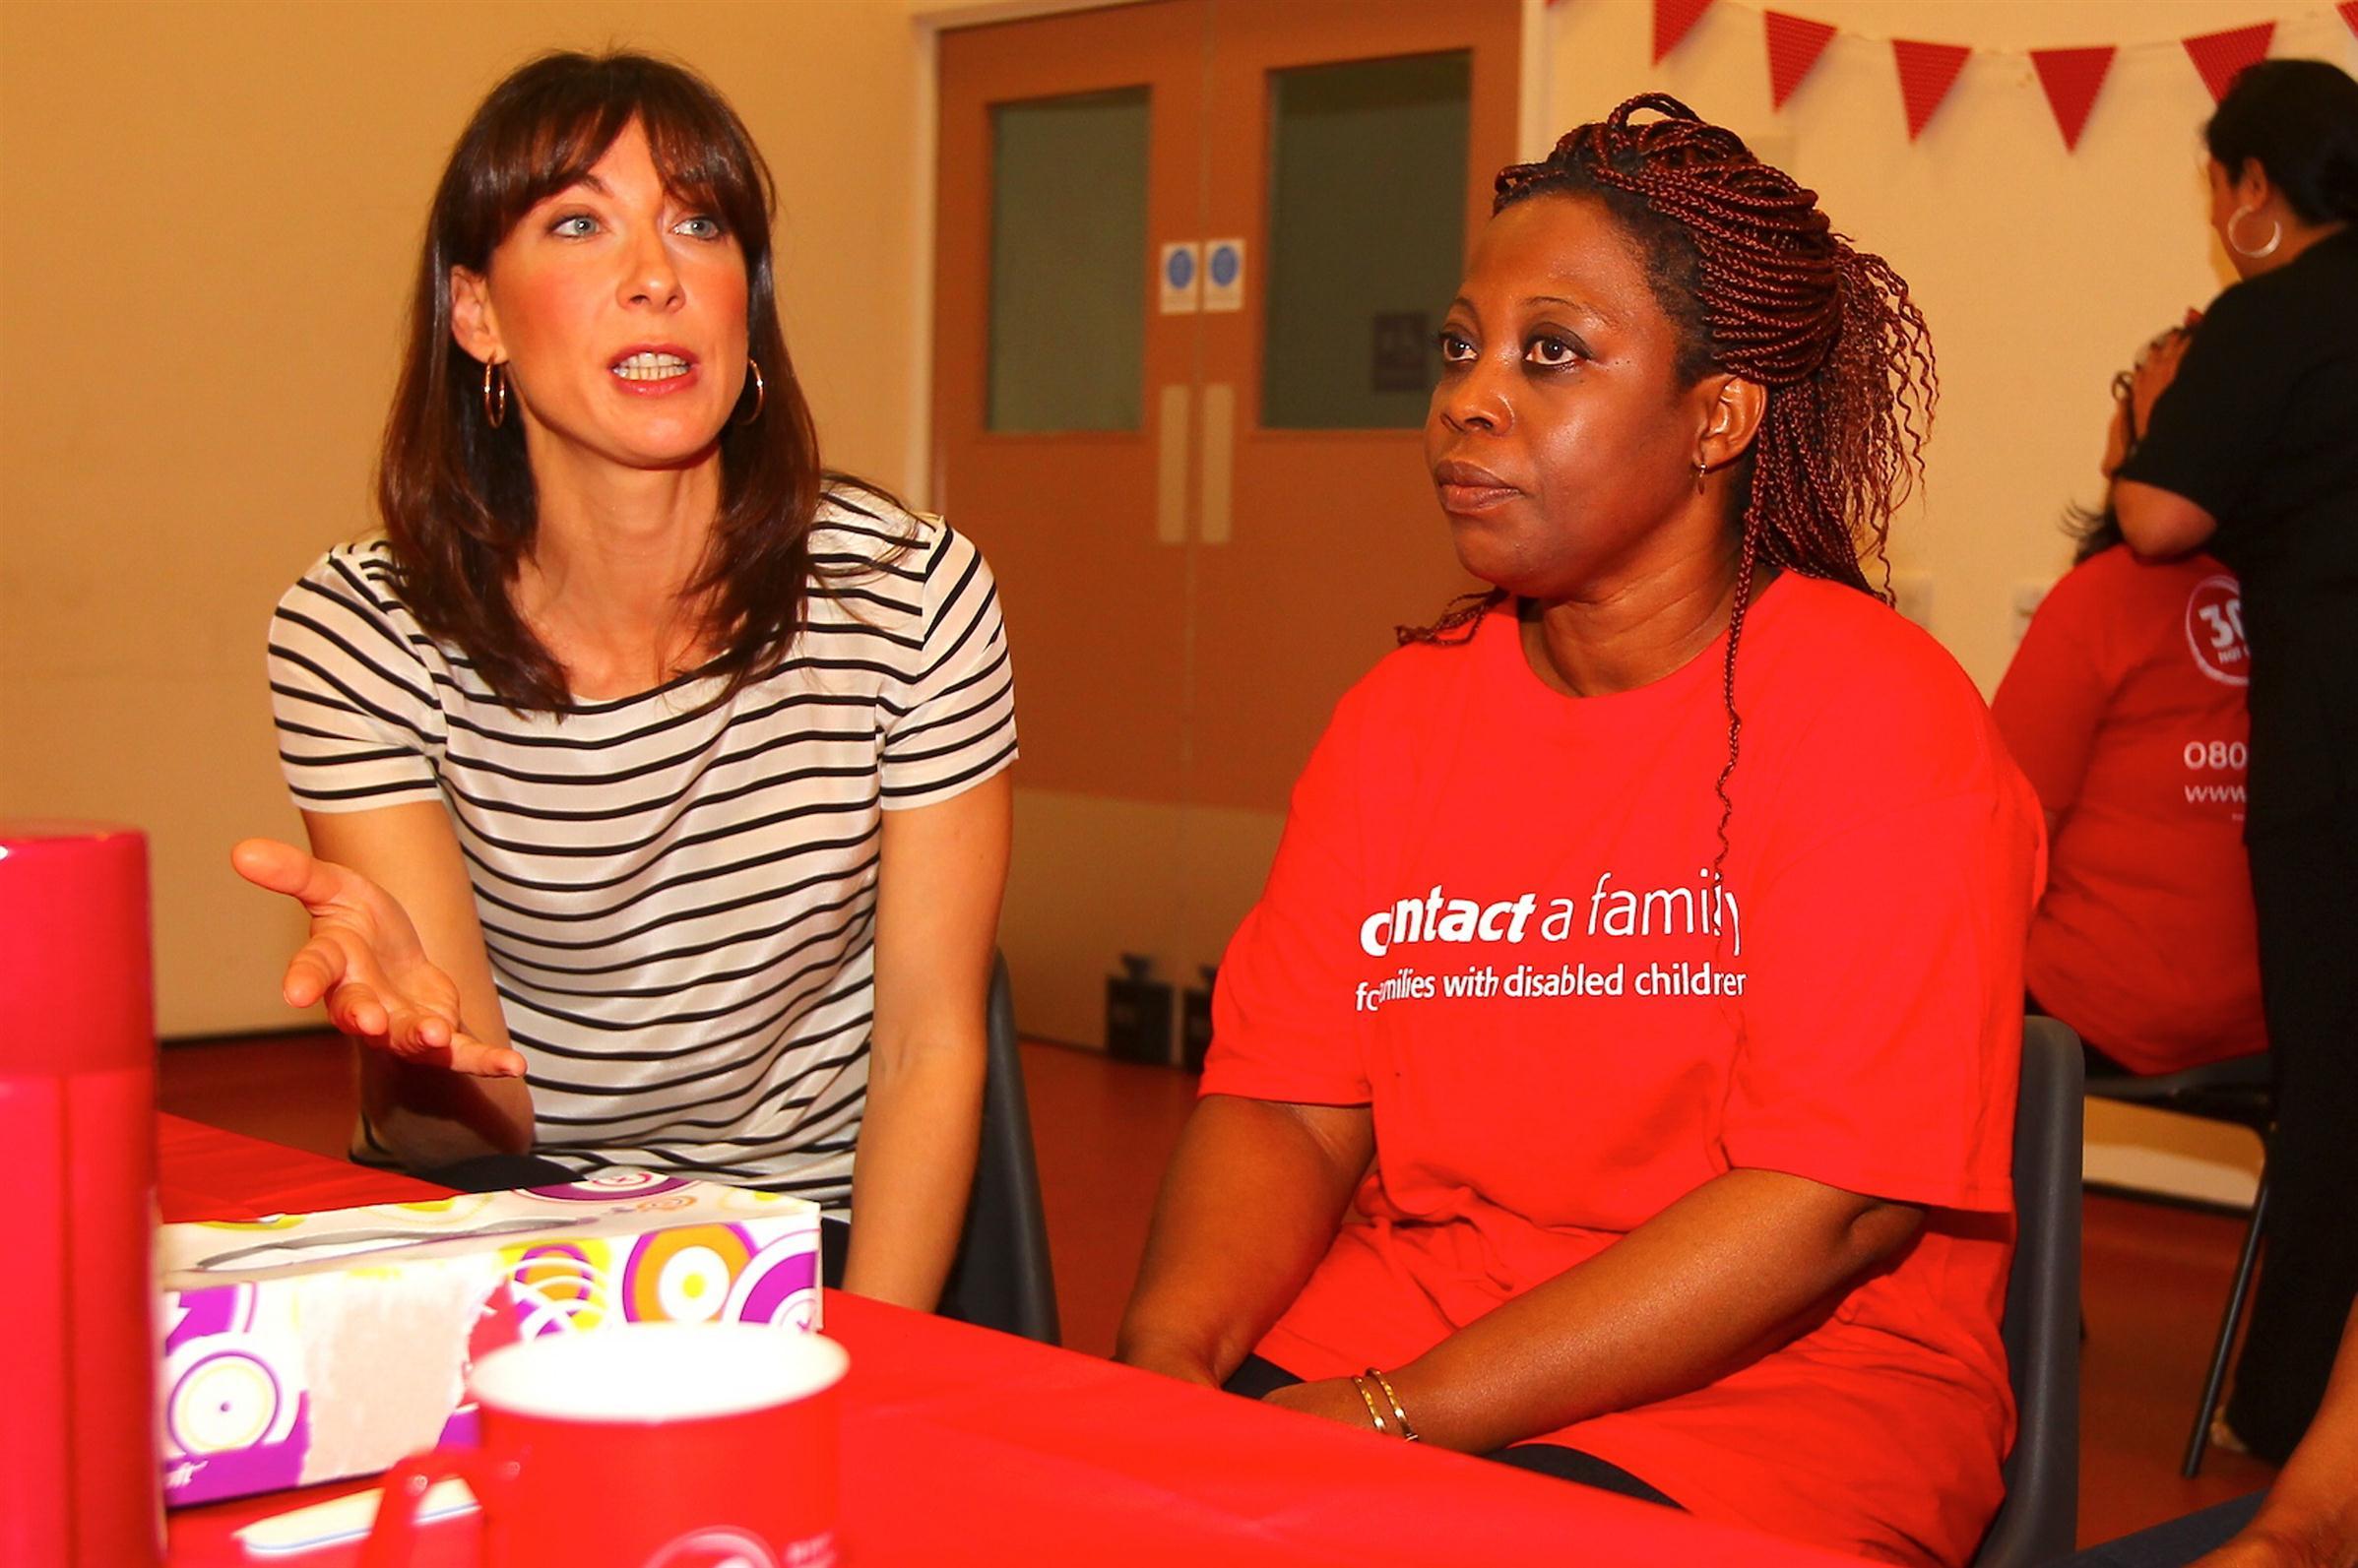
x,y
760,392
495,393
1701,470
2275,236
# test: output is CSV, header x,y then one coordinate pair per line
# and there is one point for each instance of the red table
x,y
965,1446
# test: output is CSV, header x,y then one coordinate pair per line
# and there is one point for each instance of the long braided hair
x,y
1757,283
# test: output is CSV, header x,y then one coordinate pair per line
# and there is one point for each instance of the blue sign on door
x,y
1179,268
1224,274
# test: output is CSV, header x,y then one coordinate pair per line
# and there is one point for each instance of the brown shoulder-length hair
x,y
457,496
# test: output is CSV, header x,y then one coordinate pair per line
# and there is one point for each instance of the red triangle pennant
x,y
2220,55
1926,71
1673,19
2349,13
1794,45
2071,78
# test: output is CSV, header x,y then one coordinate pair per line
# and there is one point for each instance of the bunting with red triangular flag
x,y
1673,19
1926,71
2220,55
1794,45
2349,13
2073,77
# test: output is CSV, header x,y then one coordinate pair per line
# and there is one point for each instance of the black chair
x,y
2040,1516
1002,1279
2239,1089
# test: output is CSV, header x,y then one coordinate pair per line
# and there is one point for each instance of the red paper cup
x,y
79,1481
646,1445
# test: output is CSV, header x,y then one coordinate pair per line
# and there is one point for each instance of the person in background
x,y
1616,1078
2124,706
2250,452
655,778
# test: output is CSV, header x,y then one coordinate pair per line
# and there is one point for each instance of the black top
x,y
2261,431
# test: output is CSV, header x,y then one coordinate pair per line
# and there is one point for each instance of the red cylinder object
x,y
79,1478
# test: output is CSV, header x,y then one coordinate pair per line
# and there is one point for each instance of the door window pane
x,y
1367,238
1068,268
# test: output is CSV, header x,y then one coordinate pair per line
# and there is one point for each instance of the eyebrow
x,y
1582,307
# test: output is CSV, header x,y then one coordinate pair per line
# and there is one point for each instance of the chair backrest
x,y
2239,1089
2040,1515
1002,1279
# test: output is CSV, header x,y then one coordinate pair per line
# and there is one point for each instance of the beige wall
x,y
210,213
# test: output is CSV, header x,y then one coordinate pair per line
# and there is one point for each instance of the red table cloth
x,y
961,1445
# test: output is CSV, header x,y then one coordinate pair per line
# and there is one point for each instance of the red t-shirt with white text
x,y
2124,705
1493,918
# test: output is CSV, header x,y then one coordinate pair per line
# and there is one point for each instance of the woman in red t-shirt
x,y
2124,706
1617,1076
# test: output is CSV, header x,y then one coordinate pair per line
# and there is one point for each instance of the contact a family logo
x,y
1610,910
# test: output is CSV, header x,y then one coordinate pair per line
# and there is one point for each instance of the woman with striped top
x,y
655,779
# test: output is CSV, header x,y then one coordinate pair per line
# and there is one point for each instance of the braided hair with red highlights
x,y
1758,285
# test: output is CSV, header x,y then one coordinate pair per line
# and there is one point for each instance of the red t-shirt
x,y
2124,705
1491,918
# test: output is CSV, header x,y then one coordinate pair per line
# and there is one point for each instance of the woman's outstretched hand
x,y
364,959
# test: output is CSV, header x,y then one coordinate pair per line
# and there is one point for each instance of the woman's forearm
x,y
941,869
915,1169
1740,1263
2159,524
1248,1206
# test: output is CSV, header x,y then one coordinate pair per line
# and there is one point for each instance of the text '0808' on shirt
x,y
677,889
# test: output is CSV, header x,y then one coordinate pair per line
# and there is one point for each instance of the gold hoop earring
x,y
2275,236
495,393
760,392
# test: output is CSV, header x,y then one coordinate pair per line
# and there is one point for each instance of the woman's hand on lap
x,y
364,959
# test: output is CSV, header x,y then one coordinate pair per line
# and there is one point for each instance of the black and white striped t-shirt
x,y
679,891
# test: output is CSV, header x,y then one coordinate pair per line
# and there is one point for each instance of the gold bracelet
x,y
1374,1413
1407,1433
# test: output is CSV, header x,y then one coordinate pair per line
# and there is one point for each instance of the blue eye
x,y
574,225
701,226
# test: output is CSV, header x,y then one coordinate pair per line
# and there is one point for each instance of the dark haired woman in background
x,y
1617,1075
2252,453
2124,706
655,779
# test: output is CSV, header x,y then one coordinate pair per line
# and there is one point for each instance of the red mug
x,y
644,1445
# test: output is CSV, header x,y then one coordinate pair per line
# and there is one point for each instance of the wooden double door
x,y
1191,255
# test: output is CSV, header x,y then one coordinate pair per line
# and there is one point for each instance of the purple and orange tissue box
x,y
306,1348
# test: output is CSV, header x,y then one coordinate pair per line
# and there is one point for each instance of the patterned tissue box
x,y
304,1347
